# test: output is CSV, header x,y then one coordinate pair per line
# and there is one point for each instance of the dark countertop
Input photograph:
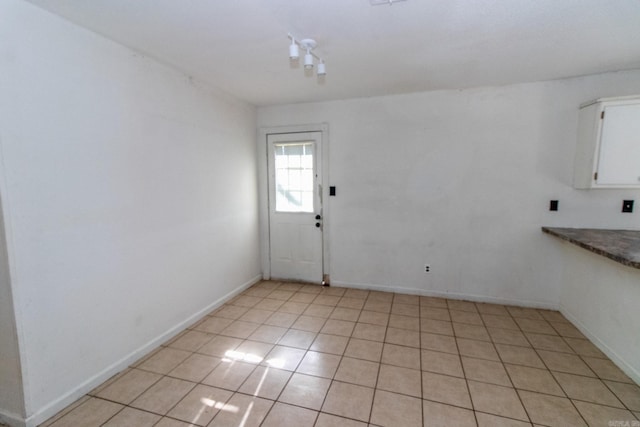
x,y
622,246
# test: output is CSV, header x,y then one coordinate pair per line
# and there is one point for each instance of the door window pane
x,y
294,177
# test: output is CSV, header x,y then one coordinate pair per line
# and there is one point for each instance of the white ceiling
x,y
241,46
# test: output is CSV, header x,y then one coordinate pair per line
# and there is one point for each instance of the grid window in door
x,y
294,177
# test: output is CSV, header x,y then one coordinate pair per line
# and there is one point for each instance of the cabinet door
x,y
619,156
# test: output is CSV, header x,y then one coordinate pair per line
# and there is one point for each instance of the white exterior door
x,y
295,206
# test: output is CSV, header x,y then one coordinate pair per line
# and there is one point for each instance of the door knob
x,y
319,217
317,224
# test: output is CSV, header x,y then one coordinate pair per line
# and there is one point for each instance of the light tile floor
x,y
285,354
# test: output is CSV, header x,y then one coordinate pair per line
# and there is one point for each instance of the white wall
x,y
130,198
11,393
601,296
459,180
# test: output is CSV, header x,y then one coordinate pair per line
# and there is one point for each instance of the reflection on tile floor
x,y
285,354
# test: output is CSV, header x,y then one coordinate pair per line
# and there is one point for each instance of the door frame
x,y
263,191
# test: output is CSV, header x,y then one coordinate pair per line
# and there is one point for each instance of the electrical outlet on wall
x,y
427,268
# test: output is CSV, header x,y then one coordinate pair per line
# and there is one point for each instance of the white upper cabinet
x,y
608,147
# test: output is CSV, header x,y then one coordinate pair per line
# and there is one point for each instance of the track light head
x,y
322,71
308,60
294,52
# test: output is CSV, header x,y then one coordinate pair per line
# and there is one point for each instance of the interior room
x,y
364,213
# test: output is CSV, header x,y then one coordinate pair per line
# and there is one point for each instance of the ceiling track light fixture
x,y
307,45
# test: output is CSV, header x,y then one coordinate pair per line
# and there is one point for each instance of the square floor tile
x,y
508,336
374,318
378,306
319,364
551,410
488,420
332,344
477,349
436,326
164,360
306,391
242,410
191,340
433,302
519,356
93,412
240,329
232,312
195,368
400,380
435,313
629,394
497,400
163,395
494,309
497,321
404,322
229,374
598,415
284,320
487,371
474,332
129,386
133,417
257,315
363,349
357,371
348,400
437,342
220,346
534,379
309,323
441,415
398,355
354,303
584,347
606,369
265,382
565,362
319,310
548,342
370,332
445,389
213,325
250,351
469,317
282,357
461,305
342,313
200,405
297,339
441,363
328,420
537,326
391,409
587,389
338,327
286,415
403,337
405,309
268,334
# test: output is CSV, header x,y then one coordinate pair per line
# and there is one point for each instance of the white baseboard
x,y
12,420
57,405
449,295
608,351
